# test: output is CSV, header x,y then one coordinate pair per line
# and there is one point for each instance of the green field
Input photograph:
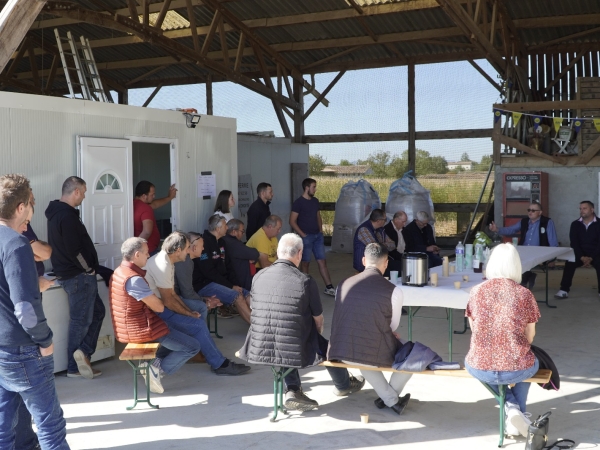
x,y
448,188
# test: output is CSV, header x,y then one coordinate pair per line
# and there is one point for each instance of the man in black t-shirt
x,y
305,220
259,210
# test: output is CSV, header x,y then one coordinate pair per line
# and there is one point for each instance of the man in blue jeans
x,y
26,339
185,334
305,220
74,261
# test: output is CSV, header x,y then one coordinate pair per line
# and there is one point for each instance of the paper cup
x,y
457,285
465,278
364,418
452,268
515,241
434,279
394,276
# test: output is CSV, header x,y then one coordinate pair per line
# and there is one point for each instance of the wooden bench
x,y
542,376
140,352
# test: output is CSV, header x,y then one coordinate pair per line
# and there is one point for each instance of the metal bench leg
x,y
136,399
501,398
278,376
466,327
213,312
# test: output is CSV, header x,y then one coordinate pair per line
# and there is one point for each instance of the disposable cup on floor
x,y
457,285
364,418
394,276
465,278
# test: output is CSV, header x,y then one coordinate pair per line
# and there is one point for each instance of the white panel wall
x,y
38,138
269,160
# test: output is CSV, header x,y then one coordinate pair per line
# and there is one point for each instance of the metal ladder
x,y
80,60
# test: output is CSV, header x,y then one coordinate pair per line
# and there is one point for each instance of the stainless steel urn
x,y
415,269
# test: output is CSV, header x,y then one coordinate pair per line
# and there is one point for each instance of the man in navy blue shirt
x,y
24,332
305,220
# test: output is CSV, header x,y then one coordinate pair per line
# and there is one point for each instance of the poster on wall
x,y
207,185
245,195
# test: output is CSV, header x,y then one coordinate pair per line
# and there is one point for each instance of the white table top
x,y
445,295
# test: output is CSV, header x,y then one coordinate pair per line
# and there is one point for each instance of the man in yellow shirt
x,y
265,241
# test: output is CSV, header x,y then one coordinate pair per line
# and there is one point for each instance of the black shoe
x,y
531,281
402,402
232,369
379,403
298,401
356,384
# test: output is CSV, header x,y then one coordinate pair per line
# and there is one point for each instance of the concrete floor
x,y
200,409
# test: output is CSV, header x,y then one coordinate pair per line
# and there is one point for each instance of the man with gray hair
x,y
75,261
213,274
287,323
394,231
363,329
145,308
418,236
238,256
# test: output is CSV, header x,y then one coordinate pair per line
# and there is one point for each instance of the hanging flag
x,y
557,123
577,125
537,124
497,115
597,124
516,118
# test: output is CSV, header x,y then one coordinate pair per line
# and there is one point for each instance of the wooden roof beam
x,y
485,75
531,48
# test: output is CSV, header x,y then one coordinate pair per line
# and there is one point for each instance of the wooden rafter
x,y
566,70
162,14
485,75
133,13
590,152
146,13
323,94
211,33
17,60
33,63
331,57
146,75
531,48
223,39
151,97
240,53
150,34
524,148
193,28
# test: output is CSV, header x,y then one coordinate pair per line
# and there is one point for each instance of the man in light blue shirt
x,y
536,230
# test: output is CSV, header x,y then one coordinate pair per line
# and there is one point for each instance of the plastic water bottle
x,y
460,256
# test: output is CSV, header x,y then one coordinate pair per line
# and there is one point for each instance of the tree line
x,y
384,165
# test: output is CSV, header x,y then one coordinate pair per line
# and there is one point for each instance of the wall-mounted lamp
x,y
191,120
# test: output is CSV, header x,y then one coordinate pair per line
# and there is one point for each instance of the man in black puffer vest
x,y
286,325
536,230
367,313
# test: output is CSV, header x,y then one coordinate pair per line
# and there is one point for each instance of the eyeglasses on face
x,y
533,210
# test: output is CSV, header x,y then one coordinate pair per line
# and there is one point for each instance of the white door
x,y
107,211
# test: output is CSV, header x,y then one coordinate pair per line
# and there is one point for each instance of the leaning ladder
x,y
80,60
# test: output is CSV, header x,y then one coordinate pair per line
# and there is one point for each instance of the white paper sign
x,y
245,195
207,186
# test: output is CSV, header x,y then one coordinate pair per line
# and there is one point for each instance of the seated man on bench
x,y
367,312
286,325
140,316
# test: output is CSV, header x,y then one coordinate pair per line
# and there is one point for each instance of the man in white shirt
x,y
364,332
394,231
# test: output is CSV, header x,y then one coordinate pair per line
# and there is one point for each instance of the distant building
x,y
466,165
347,171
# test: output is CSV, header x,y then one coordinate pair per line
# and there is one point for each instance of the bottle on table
x,y
460,256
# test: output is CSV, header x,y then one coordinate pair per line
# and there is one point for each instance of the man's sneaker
x,y
153,378
329,291
561,294
518,420
232,369
356,384
96,372
224,313
298,401
380,404
510,429
83,364
531,281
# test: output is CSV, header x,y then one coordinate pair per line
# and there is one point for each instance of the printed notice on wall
x,y
207,185
245,195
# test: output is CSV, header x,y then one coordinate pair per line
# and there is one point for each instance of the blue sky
x,y
448,96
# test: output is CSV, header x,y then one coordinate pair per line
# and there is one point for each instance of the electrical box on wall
x,y
520,189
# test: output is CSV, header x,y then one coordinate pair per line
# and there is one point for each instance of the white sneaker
x,y
330,291
510,429
154,378
519,421
561,294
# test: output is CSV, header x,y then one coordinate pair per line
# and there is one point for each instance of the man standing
x,y
144,310
585,242
287,323
211,275
265,241
305,219
24,332
418,236
74,261
394,231
369,232
237,255
365,332
536,230
144,204
259,210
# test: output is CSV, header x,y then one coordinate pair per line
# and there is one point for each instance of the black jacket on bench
x,y
547,363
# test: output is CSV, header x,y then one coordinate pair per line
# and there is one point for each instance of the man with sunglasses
x,y
535,230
